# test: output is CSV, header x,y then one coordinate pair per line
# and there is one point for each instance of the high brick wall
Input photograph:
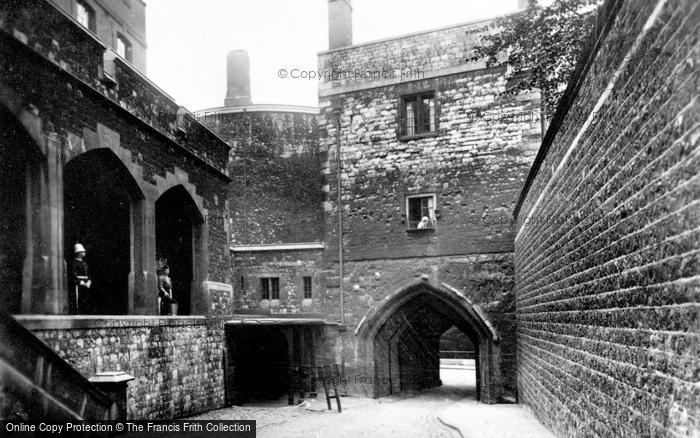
x,y
276,170
606,256
176,362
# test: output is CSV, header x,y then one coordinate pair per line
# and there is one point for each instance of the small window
x,y
418,114
124,47
308,291
242,282
270,288
420,211
85,15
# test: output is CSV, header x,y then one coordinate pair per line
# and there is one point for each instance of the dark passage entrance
x,y
18,154
260,370
177,218
98,196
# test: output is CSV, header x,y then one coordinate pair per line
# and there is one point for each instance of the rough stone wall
x,y
176,362
606,256
276,171
475,164
290,267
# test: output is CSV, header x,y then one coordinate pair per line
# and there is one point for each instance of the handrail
x,y
40,384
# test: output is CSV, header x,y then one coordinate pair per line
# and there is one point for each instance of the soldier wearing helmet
x,y
81,282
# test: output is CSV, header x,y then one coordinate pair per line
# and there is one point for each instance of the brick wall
x,y
606,256
176,362
276,171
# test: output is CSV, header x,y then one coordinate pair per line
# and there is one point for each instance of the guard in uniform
x,y
81,283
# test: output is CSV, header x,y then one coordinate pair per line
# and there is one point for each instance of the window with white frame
x,y
124,47
85,15
420,212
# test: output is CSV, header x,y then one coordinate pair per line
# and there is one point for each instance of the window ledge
x,y
418,136
419,230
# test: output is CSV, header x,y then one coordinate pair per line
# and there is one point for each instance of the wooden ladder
x,y
325,373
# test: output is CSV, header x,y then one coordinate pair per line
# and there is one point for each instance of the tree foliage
x,y
541,45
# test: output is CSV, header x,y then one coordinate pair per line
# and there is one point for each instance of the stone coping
x,y
62,322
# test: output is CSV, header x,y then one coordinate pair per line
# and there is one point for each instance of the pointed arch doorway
x,y
401,339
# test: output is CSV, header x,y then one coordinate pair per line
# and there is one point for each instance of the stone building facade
x,y
95,153
606,251
414,131
120,25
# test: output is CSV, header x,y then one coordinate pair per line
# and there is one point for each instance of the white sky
x,y
188,41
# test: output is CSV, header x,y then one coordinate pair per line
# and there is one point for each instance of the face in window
x,y
421,212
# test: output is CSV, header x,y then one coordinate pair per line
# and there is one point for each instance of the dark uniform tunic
x,y
166,298
81,300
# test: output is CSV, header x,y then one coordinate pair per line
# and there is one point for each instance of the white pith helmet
x,y
78,248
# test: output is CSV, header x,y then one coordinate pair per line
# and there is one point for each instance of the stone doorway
x,y
99,196
401,340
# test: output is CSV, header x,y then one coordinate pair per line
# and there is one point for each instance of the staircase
x,y
36,384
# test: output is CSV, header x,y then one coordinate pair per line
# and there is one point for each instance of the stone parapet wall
x,y
176,361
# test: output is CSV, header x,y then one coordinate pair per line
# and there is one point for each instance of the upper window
x,y
307,287
420,211
85,15
270,288
418,114
124,47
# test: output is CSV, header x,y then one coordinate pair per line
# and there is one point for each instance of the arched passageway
x,y
402,340
19,156
178,229
99,197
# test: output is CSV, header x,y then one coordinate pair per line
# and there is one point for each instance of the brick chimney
x,y
237,78
339,23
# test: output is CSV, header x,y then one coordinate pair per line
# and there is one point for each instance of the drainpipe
x,y
340,219
246,131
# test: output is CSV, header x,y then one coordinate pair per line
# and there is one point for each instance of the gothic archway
x,y
100,196
401,339
179,241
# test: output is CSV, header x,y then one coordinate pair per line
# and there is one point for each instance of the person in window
x,y
424,223
165,291
81,301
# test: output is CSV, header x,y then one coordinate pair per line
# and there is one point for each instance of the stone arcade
x,y
566,260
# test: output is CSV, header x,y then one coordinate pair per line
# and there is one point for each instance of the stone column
x,y
45,290
144,253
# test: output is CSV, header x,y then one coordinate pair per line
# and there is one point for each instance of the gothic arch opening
x,y
20,156
402,340
178,236
99,203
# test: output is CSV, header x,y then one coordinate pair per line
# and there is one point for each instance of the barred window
x,y
308,292
418,114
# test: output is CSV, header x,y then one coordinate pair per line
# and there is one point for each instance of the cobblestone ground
x,y
417,416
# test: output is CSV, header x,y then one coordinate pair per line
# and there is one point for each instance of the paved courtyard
x,y
450,411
